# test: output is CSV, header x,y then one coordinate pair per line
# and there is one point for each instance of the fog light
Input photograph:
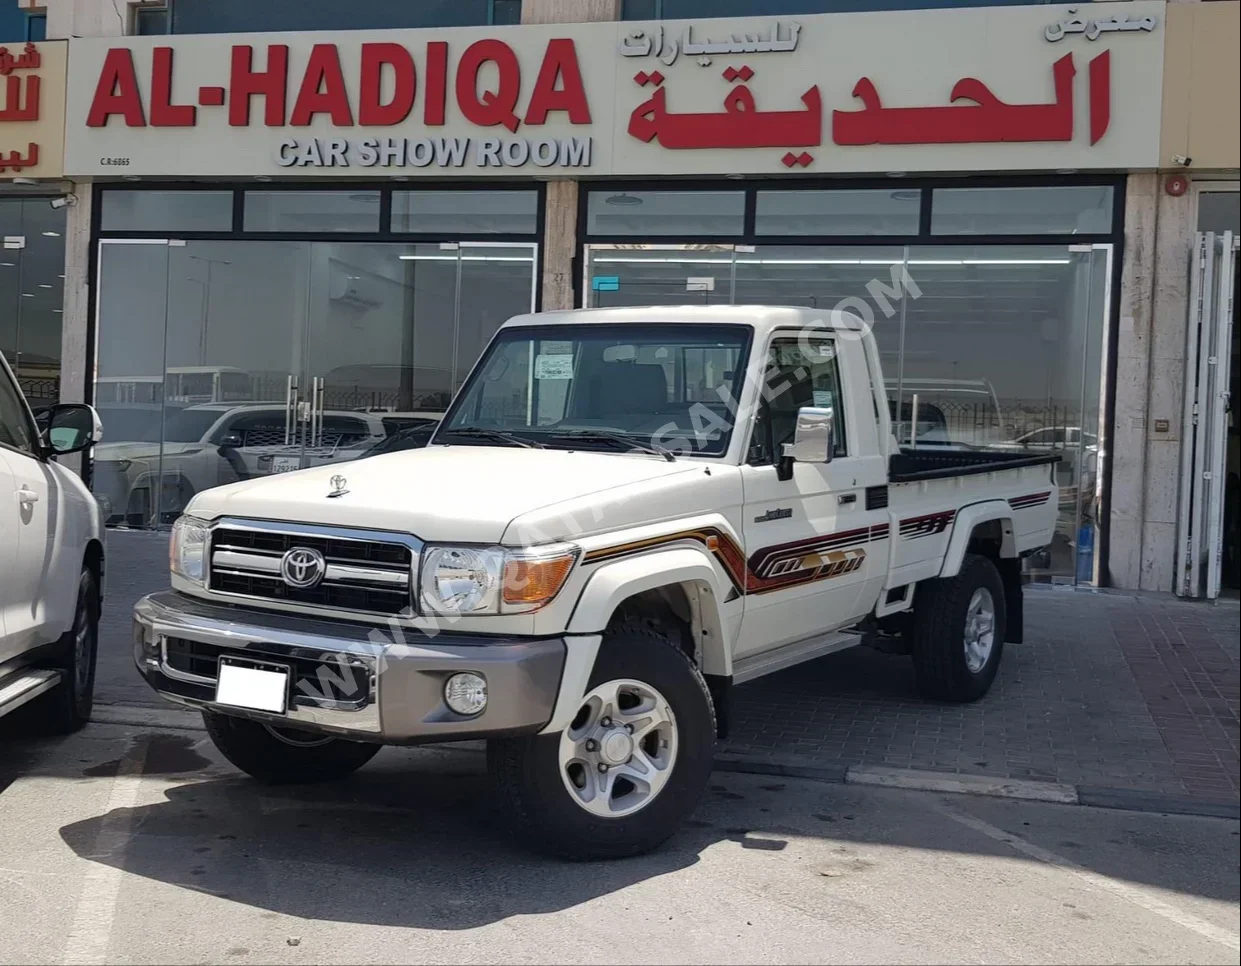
x,y
466,693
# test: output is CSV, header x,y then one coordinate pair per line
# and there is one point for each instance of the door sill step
x,y
768,662
25,686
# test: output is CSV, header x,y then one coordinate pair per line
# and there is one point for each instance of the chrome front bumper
x,y
353,680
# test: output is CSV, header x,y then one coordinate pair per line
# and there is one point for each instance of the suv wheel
x,y
631,766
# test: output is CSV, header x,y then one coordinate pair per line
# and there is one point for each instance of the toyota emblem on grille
x,y
302,567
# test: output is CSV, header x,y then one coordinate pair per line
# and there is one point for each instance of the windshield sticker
x,y
823,398
553,367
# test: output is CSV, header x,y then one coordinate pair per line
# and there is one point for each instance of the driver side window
x,y
798,373
15,428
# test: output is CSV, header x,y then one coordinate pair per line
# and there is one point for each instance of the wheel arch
x,y
983,528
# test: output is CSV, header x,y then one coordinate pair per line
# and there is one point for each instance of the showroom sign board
x,y
987,89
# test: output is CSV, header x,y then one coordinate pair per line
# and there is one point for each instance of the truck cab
x,y
622,515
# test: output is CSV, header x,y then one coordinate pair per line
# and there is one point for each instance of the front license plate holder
x,y
253,685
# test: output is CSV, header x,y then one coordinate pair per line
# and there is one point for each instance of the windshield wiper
x,y
477,432
618,439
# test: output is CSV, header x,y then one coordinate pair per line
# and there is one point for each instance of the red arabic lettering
x,y
163,112
16,160
492,107
559,62
245,81
322,90
15,108
29,59
738,126
372,111
1100,95
117,91
987,120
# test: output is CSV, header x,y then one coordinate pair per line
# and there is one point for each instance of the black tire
x,y
285,756
526,770
1232,534
67,707
939,627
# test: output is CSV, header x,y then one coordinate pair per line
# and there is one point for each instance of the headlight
x,y
187,548
493,580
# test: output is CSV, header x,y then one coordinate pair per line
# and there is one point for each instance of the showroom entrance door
x,y
219,361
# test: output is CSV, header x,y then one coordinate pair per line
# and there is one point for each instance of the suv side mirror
x,y
72,428
814,437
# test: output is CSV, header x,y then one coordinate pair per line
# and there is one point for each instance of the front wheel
x,y
631,766
283,756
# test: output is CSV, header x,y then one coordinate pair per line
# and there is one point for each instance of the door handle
x,y
290,410
27,497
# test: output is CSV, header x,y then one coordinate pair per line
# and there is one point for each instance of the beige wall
x,y
1201,102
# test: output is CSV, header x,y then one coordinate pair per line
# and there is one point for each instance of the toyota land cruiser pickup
x,y
624,513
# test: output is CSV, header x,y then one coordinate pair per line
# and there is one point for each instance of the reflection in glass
x,y
1049,210
841,212
465,212
659,275
241,359
312,211
686,213
985,347
166,211
31,296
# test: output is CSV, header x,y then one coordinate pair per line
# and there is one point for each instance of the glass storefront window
x,y
240,16
843,212
32,285
312,211
465,212
654,213
995,347
171,211
1051,210
220,361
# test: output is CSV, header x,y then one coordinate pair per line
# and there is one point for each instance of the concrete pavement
x,y
140,845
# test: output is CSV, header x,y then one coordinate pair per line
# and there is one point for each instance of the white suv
x,y
51,563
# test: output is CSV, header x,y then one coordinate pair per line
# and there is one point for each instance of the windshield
x,y
660,384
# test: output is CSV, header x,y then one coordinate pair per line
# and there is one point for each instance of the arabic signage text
x,y
31,125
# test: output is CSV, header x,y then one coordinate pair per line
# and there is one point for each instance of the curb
x,y
988,786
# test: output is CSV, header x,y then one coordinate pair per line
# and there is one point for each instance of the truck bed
x,y
911,465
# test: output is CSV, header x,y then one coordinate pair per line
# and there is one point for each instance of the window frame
x,y
840,448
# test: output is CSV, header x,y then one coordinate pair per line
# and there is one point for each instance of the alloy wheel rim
x,y
979,629
81,649
619,751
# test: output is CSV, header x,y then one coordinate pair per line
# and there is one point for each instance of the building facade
x,y
287,242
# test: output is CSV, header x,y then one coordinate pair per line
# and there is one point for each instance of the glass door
x,y
198,370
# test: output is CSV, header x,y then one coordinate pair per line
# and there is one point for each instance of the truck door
x,y
816,552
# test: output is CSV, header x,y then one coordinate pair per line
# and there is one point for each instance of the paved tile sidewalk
x,y
1132,693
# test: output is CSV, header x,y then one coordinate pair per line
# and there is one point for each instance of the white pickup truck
x,y
624,513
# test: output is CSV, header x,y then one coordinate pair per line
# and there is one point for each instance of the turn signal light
x,y
535,581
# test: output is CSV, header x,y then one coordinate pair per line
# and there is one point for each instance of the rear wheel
x,y
631,766
283,756
958,631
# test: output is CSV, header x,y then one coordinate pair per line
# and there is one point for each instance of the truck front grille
x,y
365,575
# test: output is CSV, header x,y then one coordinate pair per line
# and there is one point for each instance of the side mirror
x,y
72,428
814,437
232,440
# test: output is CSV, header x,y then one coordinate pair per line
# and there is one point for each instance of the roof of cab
x,y
762,317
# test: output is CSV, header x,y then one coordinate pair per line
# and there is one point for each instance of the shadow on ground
x,y
413,840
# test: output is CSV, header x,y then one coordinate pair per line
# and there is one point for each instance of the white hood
x,y
441,493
